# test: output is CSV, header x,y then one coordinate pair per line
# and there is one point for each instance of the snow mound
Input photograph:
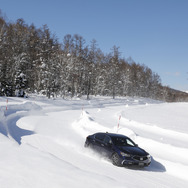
x,y
127,132
86,125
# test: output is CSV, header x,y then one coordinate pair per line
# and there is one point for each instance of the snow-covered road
x,y
42,142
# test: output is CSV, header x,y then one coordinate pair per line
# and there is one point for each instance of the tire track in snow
x,y
167,136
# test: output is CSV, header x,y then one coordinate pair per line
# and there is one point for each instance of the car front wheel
x,y
116,160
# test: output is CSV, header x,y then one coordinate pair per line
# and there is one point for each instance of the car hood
x,y
133,150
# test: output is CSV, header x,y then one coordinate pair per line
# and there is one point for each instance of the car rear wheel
x,y
86,145
116,160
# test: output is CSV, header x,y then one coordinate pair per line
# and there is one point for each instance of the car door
x,y
99,142
107,146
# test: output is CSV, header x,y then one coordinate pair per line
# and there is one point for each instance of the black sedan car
x,y
120,149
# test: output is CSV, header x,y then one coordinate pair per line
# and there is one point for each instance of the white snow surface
x,y
42,142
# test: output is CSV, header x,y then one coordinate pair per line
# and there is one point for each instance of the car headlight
x,y
125,154
149,156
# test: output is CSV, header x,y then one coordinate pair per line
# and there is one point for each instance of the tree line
x,y
32,60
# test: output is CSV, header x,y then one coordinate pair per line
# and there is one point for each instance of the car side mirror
x,y
136,145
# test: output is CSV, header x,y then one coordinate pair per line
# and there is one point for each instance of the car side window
x,y
99,137
107,140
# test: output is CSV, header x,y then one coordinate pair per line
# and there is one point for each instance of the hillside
x,y
33,60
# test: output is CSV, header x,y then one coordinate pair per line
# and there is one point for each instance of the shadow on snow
x,y
155,166
15,132
9,118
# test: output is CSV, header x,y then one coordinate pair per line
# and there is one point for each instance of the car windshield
x,y
122,141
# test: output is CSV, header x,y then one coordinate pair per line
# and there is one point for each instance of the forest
x,y
32,60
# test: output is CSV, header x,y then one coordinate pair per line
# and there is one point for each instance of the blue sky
x,y
152,32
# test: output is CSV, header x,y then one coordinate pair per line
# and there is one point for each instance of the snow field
x,y
43,142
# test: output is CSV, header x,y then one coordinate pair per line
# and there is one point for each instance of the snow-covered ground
x,y
42,142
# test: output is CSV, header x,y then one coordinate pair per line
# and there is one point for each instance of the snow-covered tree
x,y
32,60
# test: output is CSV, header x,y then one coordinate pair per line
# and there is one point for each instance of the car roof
x,y
112,134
